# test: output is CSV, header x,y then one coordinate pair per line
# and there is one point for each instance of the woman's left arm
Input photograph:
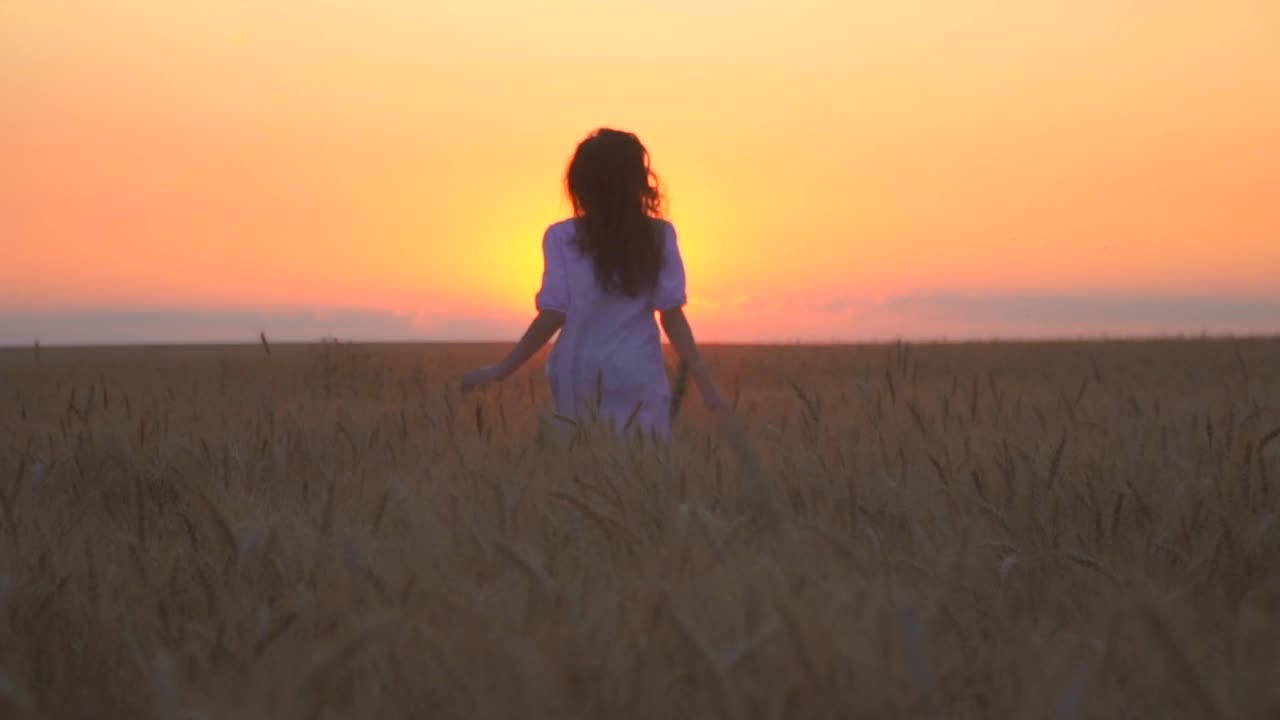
x,y
540,331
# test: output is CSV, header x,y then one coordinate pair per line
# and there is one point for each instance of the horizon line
x,y
1205,336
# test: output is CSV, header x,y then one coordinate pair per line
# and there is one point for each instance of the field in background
x,y
1021,530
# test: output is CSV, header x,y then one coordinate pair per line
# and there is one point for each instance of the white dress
x,y
608,356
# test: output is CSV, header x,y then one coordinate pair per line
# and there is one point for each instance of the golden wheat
x,y
1024,530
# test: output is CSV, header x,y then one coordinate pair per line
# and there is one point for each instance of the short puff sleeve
x,y
554,293
670,291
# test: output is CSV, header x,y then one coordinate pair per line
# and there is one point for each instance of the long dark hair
x,y
617,201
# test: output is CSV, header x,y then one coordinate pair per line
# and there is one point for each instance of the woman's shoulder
x,y
667,228
562,230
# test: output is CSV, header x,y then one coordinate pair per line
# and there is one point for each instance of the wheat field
x,y
1084,530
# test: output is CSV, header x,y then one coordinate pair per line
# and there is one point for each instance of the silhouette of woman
x,y
605,273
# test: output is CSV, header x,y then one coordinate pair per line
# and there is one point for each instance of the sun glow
x,y
406,156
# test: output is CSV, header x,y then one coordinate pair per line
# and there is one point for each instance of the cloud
x,y
1171,313
839,305
1054,315
780,317
126,326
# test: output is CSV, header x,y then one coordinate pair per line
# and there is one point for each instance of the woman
x,y
605,273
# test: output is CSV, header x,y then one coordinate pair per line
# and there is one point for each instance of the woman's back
x,y
609,354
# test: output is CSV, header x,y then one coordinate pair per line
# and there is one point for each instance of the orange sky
x,y
822,157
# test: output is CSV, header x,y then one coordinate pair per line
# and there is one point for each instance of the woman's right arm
x,y
676,325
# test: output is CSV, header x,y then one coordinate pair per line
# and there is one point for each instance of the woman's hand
x,y
676,325
539,333
714,400
711,396
481,377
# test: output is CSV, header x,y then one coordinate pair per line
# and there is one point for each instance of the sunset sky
x,y
179,171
